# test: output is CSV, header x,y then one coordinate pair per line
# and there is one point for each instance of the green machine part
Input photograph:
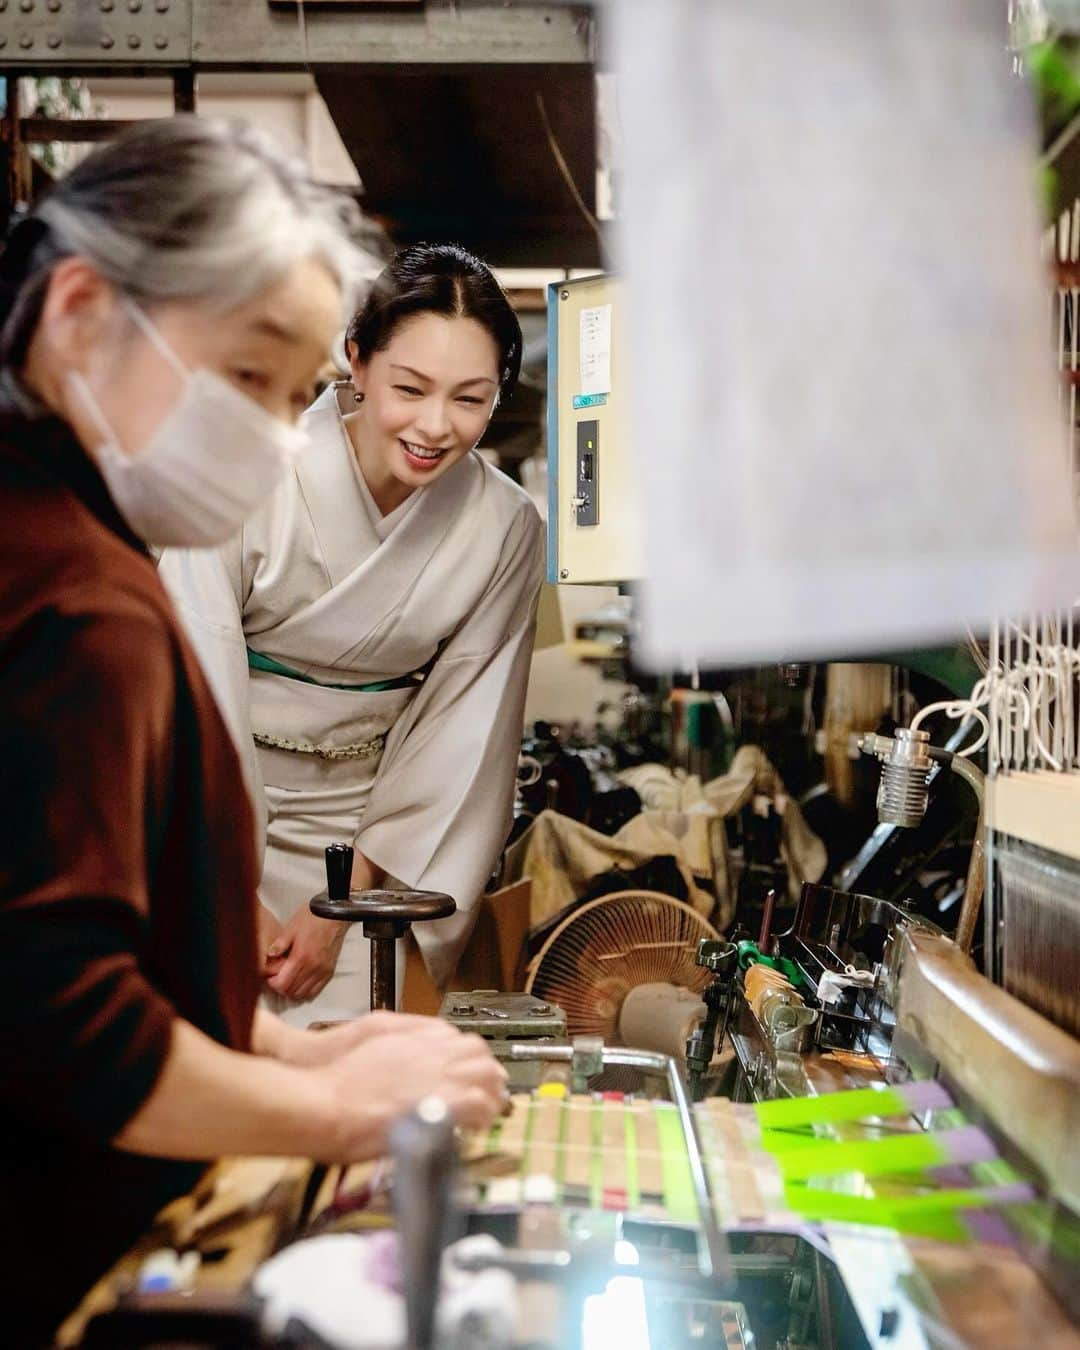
x,y
953,667
750,954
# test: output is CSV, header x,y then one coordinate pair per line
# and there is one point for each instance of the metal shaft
x,y
383,974
422,1145
975,884
765,935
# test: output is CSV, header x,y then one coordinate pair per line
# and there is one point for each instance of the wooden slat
x,y
15,158
43,130
649,1167
613,1144
397,5
249,32
512,1134
184,90
547,1115
577,1166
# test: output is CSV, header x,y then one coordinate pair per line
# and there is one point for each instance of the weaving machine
x,y
894,1167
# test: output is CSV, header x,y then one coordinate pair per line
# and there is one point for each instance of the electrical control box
x,y
593,533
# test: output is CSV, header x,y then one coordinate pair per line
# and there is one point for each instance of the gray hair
x,y
182,208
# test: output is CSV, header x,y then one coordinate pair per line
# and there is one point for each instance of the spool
x,y
758,980
660,1017
775,1007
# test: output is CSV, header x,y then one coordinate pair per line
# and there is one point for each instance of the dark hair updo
x,y
438,279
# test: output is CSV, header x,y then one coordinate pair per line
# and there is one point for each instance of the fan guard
x,y
614,944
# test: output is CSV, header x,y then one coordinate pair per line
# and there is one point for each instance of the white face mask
x,y
210,462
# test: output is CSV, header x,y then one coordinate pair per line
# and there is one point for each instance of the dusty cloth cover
x,y
682,820
127,872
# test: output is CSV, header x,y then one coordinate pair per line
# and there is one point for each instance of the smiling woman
x,y
423,408
430,352
369,632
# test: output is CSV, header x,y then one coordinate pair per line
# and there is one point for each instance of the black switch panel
x,y
588,477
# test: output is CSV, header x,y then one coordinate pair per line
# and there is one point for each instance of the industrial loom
x,y
840,1135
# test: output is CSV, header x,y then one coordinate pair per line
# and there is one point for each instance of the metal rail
x,y
714,1258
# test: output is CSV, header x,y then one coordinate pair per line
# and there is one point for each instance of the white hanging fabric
x,y
843,408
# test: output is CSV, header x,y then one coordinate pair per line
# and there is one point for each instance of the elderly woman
x,y
164,312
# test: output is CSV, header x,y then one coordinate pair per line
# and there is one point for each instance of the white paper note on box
x,y
841,377
595,350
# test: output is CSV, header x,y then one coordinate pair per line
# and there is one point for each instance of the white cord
x,y
975,647
1048,686
957,710
984,735
1027,698
948,707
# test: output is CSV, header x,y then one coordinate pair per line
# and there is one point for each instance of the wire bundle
x,y
1026,698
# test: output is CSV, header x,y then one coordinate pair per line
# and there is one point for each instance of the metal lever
x,y
722,959
386,916
425,1159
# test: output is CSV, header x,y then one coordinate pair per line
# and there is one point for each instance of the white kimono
x,y
420,778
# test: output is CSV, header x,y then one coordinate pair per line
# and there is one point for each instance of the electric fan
x,y
622,967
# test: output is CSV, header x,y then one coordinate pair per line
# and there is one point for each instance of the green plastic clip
x,y
751,955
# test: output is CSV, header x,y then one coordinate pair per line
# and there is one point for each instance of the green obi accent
x,y
257,661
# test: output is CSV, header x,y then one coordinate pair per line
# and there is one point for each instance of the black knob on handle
x,y
339,861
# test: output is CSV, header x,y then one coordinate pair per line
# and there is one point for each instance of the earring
x,y
358,397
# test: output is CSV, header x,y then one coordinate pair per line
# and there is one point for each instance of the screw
x,y
134,6
106,41
541,1010
162,6
106,6
53,40
53,6
564,574
161,42
564,295
134,41
26,42
26,6
3,42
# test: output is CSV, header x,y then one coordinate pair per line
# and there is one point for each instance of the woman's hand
x,y
387,1075
302,959
209,1101
309,1049
268,932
